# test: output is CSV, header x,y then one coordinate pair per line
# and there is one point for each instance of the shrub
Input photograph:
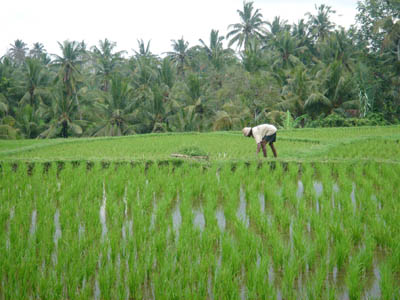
x,y
336,120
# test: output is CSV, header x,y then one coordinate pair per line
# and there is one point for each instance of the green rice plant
x,y
141,254
319,282
291,271
354,278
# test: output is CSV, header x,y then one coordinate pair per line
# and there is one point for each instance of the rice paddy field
x,y
119,218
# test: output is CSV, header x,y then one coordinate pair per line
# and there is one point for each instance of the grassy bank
x,y
118,218
372,143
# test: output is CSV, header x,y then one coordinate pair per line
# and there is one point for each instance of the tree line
x,y
303,74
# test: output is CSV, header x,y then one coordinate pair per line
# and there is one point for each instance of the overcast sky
x,y
124,22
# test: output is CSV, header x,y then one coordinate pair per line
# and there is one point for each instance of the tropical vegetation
x,y
312,73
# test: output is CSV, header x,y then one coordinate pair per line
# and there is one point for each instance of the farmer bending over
x,y
263,134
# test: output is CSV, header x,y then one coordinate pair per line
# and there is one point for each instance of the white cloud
x,y
124,22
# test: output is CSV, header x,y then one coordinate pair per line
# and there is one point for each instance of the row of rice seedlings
x,y
160,258
24,230
362,222
321,233
377,148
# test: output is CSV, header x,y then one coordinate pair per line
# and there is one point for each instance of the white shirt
x,y
262,130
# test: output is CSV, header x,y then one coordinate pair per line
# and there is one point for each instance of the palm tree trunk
x,y
398,50
64,131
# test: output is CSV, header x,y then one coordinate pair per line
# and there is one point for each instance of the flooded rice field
x,y
311,231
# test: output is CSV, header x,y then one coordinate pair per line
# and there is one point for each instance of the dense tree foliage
x,y
304,73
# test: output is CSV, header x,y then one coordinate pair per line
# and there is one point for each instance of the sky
x,y
127,21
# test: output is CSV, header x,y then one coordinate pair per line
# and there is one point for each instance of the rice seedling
x,y
236,229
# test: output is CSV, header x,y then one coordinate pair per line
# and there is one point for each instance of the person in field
x,y
263,134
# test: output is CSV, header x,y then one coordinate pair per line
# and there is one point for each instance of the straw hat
x,y
246,131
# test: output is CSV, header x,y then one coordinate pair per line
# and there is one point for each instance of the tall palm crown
x,y
277,26
38,51
114,109
18,51
35,82
214,50
106,61
62,111
251,26
215,43
68,64
320,25
180,54
144,49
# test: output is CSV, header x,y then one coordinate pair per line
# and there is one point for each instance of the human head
x,y
246,131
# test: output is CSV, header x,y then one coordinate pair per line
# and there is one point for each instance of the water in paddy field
x,y
300,189
273,282
177,219
97,293
241,213
57,235
81,231
103,215
219,214
32,229
57,232
210,287
12,213
353,197
375,291
199,220
154,212
318,187
261,198
243,287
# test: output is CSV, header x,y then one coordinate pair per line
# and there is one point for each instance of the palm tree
x,y
253,58
186,119
251,26
6,70
287,50
232,116
38,52
215,51
152,113
296,91
333,91
391,40
166,73
28,121
319,24
144,50
68,65
18,51
145,72
277,26
106,62
194,86
114,109
35,82
339,46
61,116
4,106
301,32
180,54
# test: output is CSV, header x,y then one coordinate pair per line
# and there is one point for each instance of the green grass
x,y
322,245
129,231
331,144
